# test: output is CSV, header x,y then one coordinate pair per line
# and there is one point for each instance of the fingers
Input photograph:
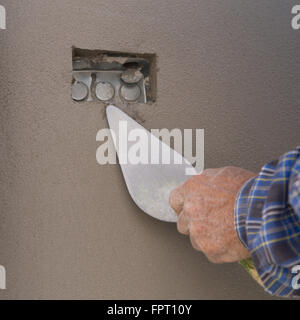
x,y
177,196
183,223
195,243
176,199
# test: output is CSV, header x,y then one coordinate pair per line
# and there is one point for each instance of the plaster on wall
x,y
68,228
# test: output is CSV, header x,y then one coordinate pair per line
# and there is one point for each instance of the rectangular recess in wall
x,y
113,77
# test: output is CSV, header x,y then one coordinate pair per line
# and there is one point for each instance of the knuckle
x,y
183,224
214,259
176,200
195,238
195,243
188,208
194,180
210,248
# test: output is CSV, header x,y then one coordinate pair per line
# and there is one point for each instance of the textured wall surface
x,y
68,228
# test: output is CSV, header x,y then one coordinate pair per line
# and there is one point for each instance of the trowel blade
x,y
148,184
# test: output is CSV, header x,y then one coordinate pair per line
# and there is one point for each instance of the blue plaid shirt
x,y
267,220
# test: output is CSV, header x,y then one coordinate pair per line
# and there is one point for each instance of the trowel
x,y
149,177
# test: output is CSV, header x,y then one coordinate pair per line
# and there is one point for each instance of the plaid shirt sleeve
x,y
267,221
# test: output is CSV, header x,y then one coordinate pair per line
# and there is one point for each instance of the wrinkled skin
x,y
205,206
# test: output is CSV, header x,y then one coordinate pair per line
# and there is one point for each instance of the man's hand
x,y
205,205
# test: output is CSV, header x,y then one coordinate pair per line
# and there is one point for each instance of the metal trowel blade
x,y
148,184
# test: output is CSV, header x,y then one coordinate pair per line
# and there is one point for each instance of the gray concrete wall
x,y
68,228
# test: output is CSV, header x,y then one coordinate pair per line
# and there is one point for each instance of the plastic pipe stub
x,y
79,91
105,91
130,93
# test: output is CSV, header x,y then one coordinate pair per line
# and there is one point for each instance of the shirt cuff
x,y
241,211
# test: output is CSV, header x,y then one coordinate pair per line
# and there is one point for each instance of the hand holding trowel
x,y
202,206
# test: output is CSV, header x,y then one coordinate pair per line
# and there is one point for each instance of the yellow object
x,y
248,265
